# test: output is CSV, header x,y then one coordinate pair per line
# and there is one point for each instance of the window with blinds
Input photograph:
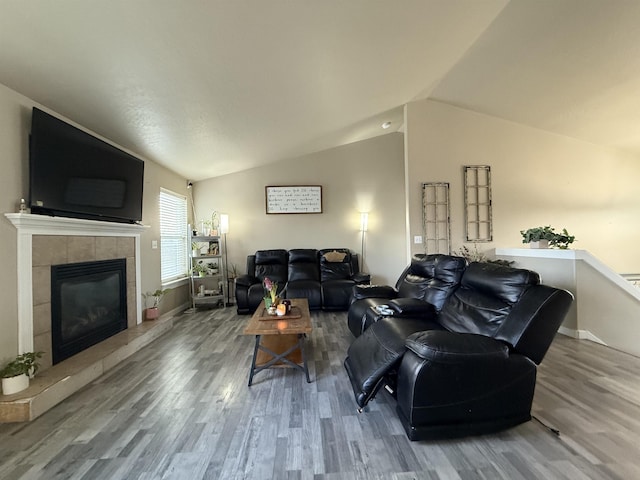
x,y
173,235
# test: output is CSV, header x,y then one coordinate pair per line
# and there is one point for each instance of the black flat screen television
x,y
74,174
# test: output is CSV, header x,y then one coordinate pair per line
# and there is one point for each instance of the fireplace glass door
x,y
88,305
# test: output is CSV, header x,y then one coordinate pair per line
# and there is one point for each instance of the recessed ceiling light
x,y
386,125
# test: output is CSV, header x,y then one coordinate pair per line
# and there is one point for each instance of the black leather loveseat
x,y
325,277
464,364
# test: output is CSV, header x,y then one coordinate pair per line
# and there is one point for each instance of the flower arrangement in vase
x,y
271,294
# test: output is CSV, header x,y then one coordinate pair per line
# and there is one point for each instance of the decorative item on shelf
x,y
214,248
545,237
16,374
153,311
198,247
215,223
205,227
200,269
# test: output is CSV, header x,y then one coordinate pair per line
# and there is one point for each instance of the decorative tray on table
x,y
292,315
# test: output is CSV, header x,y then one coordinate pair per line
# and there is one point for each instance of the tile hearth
x,y
55,384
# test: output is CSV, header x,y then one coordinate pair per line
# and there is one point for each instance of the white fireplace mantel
x,y
29,225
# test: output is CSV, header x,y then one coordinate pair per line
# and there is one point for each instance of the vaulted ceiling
x,y
213,87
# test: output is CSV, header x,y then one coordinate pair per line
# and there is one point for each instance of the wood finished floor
x,y
181,408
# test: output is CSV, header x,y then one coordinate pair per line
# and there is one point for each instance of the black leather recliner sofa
x,y
423,286
466,367
325,277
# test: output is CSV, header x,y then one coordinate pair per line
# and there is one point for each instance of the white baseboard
x,y
580,335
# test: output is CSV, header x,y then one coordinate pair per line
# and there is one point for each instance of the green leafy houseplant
x,y
559,240
200,269
155,296
536,234
26,364
562,240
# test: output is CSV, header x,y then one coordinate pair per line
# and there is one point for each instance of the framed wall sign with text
x,y
293,199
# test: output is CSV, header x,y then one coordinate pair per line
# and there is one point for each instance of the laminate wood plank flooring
x,y
181,408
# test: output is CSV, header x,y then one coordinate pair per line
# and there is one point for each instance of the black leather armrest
x,y
361,278
411,306
373,291
456,348
246,280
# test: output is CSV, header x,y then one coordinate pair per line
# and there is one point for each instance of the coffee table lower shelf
x,y
279,351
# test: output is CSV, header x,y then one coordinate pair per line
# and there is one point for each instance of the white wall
x,y
366,175
538,179
15,124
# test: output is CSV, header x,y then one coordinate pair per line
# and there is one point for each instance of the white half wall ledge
x,y
568,254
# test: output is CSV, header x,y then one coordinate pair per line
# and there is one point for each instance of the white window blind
x,y
173,235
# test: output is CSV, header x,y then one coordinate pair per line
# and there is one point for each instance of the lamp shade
x,y
224,223
364,221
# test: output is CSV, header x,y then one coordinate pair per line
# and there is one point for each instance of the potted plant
x,y
15,374
562,240
214,223
234,271
477,256
213,267
196,247
545,237
538,237
271,295
153,311
200,269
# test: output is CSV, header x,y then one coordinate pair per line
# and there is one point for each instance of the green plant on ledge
x,y
536,234
562,240
27,364
559,240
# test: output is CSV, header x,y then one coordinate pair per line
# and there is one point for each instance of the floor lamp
x,y
364,225
224,229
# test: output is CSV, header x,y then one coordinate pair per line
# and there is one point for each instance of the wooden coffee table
x,y
280,340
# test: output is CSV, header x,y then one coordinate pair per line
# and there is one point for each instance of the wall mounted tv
x,y
74,174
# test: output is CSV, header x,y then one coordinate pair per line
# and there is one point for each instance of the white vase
x,y
539,244
15,384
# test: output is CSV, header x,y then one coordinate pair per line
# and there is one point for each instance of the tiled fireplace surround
x,y
44,241
48,250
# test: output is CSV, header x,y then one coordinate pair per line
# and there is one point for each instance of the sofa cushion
x,y
335,256
431,278
456,348
303,265
334,270
485,297
272,264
